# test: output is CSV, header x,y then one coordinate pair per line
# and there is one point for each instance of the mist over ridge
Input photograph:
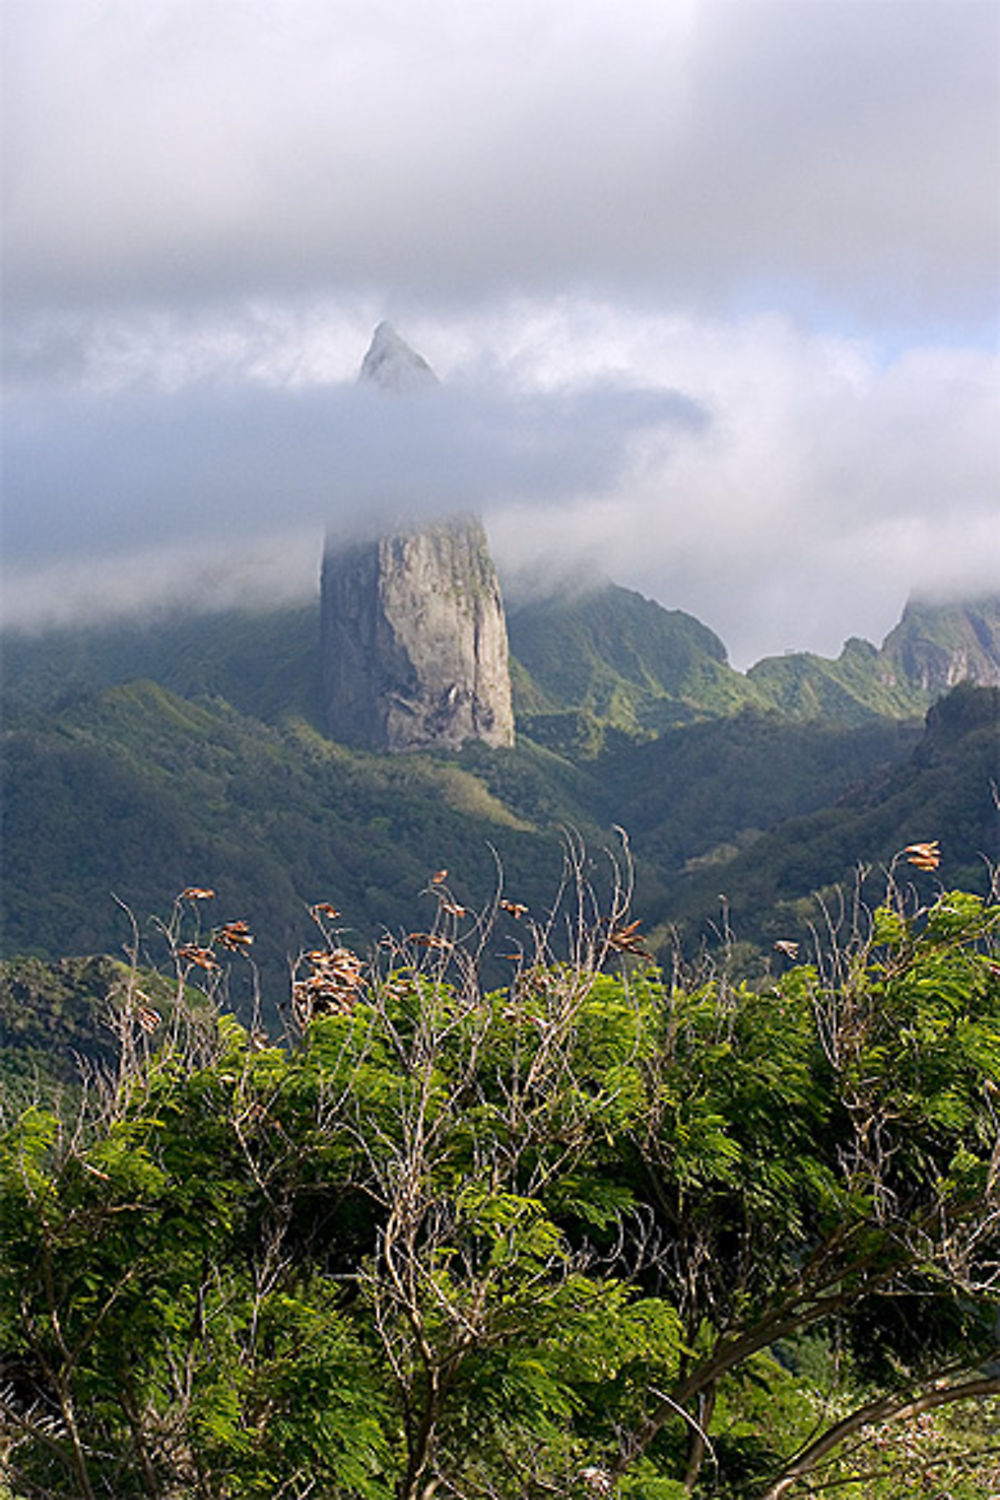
x,y
755,383
217,493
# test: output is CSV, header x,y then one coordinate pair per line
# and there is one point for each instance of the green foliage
x,y
590,1233
621,659
943,788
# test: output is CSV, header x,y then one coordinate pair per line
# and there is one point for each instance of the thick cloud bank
x,y
788,489
712,289
186,150
89,474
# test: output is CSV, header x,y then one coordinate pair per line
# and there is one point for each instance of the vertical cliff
x,y
935,646
415,641
414,637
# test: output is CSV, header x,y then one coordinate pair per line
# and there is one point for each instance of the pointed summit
x,y
393,366
414,635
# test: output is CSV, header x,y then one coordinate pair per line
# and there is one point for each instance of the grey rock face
x,y
414,636
415,641
936,646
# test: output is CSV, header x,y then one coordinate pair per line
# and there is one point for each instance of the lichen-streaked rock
x,y
415,641
935,646
414,632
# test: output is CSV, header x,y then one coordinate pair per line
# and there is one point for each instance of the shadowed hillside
x,y
142,758
946,790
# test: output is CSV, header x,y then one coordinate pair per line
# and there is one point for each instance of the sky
x,y
711,288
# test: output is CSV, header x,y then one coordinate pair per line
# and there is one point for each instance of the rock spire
x,y
414,636
393,366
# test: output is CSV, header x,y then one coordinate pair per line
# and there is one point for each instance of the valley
x,y
143,757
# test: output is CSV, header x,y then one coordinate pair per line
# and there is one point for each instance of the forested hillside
x,y
140,793
135,793
545,1158
946,790
142,758
265,663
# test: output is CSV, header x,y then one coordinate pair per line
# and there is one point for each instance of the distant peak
x,y
393,366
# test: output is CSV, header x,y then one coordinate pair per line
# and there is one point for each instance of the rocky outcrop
x,y
414,637
392,366
936,646
415,642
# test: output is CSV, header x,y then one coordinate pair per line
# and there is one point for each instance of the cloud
x,y
827,486
92,474
152,582
712,287
192,151
788,488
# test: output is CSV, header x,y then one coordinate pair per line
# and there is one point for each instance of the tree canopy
x,y
604,1230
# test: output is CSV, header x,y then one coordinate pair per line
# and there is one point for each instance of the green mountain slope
x,y
724,781
581,665
933,647
849,688
60,1022
945,790
52,1014
140,793
613,657
213,773
264,662
137,793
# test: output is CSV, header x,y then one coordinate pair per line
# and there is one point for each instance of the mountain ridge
x,y
141,760
607,654
932,648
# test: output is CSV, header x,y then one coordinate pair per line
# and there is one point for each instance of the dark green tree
x,y
593,1233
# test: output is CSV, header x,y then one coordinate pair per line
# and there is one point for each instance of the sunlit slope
x,y
139,792
934,647
620,660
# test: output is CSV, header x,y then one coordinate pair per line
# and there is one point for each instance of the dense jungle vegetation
x,y
608,1229
496,1198
201,740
